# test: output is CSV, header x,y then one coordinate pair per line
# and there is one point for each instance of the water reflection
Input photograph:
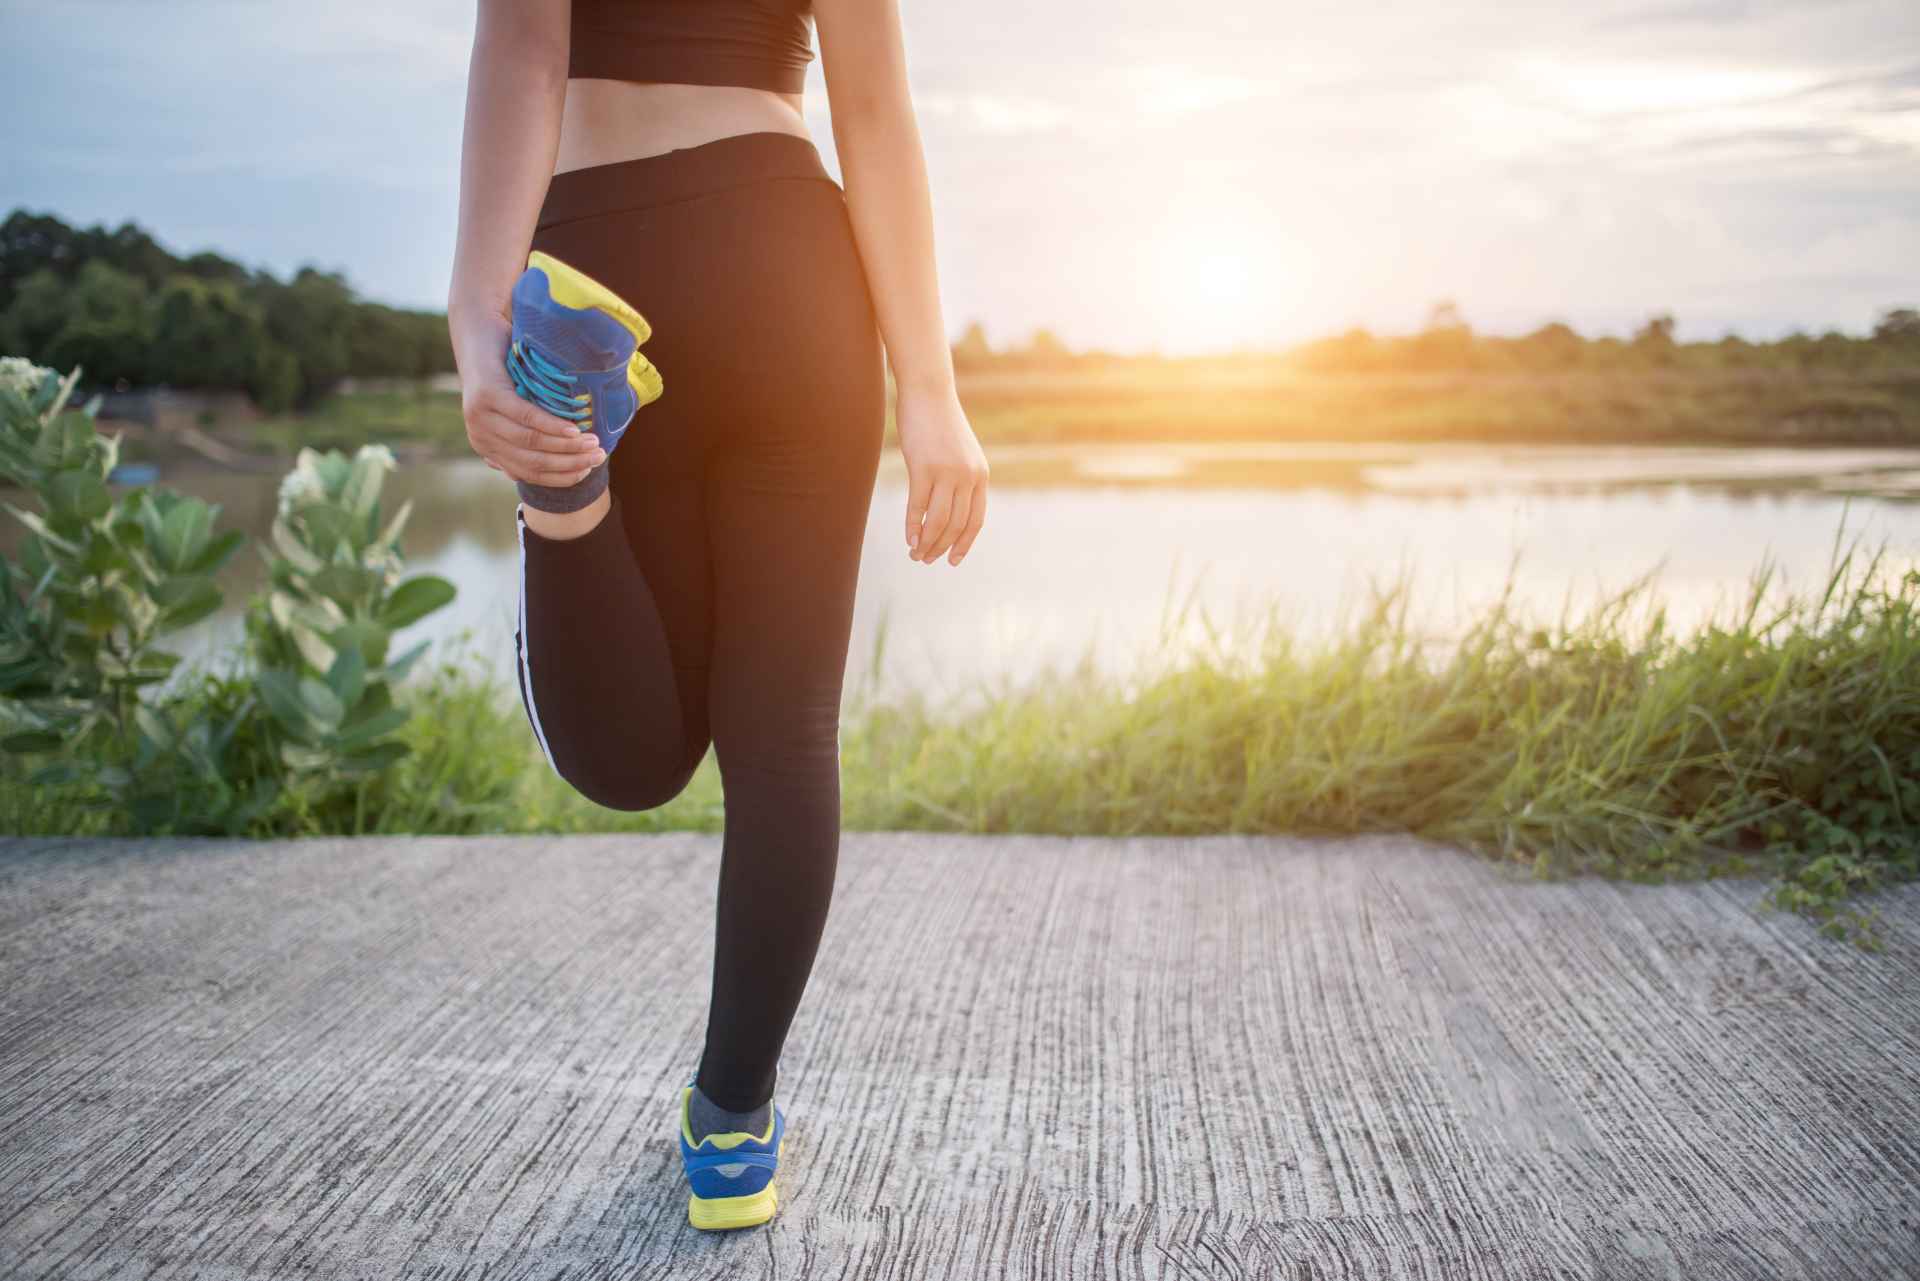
x,y
1090,550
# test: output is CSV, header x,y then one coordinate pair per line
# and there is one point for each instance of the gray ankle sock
x,y
705,1117
560,499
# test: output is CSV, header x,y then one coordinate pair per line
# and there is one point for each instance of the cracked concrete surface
x,y
1034,1057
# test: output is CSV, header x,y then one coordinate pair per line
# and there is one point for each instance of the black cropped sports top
x,y
762,44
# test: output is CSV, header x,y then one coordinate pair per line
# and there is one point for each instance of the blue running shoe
x,y
575,349
731,1174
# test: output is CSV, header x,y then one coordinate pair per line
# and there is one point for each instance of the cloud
x,y
1741,163
1713,13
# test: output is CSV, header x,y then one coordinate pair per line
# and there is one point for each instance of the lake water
x,y
1091,551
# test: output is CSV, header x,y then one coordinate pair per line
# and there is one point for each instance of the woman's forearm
x,y
885,176
516,92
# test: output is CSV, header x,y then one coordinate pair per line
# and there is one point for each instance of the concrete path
x,y
1020,1057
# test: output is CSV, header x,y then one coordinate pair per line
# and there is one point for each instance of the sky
x,y
1135,177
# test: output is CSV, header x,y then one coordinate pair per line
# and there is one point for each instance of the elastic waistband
x,y
681,174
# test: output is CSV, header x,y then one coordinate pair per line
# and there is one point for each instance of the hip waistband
x,y
681,174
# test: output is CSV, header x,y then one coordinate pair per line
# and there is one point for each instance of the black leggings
x,y
715,601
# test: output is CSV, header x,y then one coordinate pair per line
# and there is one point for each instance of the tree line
x,y
132,314
1448,344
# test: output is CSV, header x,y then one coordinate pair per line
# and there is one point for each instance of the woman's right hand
x,y
513,435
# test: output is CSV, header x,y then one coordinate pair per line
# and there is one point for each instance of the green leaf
x,y
322,704
326,529
280,691
40,527
54,775
63,389
152,727
390,536
105,556
79,494
217,553
415,599
363,731
378,757
184,533
175,589
156,662
302,758
362,489
316,651
298,554
348,676
364,635
33,740
397,670
333,469
348,582
196,607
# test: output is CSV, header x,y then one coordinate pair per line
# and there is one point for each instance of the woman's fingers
x,y
919,487
526,442
539,468
946,506
976,516
939,505
520,422
959,497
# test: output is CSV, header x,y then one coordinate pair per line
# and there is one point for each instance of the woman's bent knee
x,y
618,785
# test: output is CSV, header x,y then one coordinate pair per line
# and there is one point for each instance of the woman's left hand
x,y
946,476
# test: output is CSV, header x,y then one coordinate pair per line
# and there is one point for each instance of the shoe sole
x,y
724,1213
571,287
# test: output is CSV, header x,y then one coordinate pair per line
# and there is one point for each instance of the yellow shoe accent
x,y
571,287
718,1214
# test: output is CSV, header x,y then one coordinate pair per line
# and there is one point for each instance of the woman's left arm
x,y
884,173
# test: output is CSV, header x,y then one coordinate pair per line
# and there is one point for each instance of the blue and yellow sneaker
x,y
731,1174
575,349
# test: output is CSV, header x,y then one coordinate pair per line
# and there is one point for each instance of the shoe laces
x,y
546,384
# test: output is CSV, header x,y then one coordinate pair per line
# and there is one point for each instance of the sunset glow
x,y
1126,177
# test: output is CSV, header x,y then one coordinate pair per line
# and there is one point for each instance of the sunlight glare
x,y
1220,284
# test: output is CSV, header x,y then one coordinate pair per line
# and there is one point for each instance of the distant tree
x,y
274,379
1446,342
1445,315
32,243
1354,351
312,317
211,266
1552,346
35,316
432,345
1653,341
973,348
1046,348
206,335
1899,326
132,251
108,329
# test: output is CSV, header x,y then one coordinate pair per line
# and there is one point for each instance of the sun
x,y
1219,285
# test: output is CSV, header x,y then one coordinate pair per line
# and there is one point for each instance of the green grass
x,y
1222,400
405,420
1783,741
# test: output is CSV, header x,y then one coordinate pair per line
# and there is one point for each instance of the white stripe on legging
x,y
526,671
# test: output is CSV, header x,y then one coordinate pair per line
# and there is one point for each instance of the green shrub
x,y
102,578
320,636
98,581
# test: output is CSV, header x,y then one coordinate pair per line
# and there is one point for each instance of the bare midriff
x,y
608,121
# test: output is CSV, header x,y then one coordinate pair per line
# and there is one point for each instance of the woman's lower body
x,y
713,604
